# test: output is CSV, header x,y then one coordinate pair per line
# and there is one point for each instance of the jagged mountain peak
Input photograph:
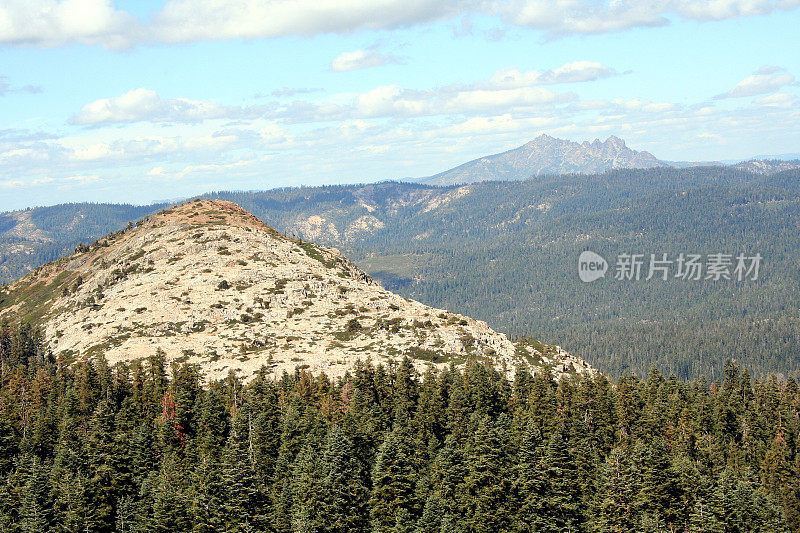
x,y
615,142
206,282
548,155
542,139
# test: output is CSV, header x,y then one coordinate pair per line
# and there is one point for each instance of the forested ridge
x,y
143,447
506,253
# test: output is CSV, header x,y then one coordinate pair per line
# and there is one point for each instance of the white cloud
x,y
273,133
146,105
777,100
48,23
80,180
508,94
66,182
210,142
766,80
393,100
91,152
646,106
559,17
359,59
573,72
83,150
563,17
726,9
374,149
480,126
208,20
212,168
481,100
289,91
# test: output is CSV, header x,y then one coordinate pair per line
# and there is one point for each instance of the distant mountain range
x,y
546,155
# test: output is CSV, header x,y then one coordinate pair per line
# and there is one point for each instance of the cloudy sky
x,y
137,101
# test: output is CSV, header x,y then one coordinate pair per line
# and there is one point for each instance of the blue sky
x,y
142,101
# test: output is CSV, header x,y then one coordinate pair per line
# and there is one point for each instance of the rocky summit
x,y
548,155
208,283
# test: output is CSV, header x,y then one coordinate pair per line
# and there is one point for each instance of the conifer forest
x,y
147,447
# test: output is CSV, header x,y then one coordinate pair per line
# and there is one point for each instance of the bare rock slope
x,y
208,283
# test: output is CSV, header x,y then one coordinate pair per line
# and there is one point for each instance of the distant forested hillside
x,y
36,236
507,252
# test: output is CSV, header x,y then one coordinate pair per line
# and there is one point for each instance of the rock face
x,y
208,283
548,155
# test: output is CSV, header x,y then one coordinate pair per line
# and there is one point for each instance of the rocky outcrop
x,y
548,155
208,283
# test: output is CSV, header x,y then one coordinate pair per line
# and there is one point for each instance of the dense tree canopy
x,y
146,447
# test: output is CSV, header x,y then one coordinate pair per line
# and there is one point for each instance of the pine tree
x,y
128,516
530,482
8,446
171,503
660,494
265,436
629,407
212,430
617,490
345,496
562,508
74,508
429,417
451,524
393,482
488,497
306,500
447,476
244,506
37,503
142,453
107,466
208,496
432,514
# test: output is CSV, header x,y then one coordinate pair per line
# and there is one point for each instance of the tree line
x,y
150,447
